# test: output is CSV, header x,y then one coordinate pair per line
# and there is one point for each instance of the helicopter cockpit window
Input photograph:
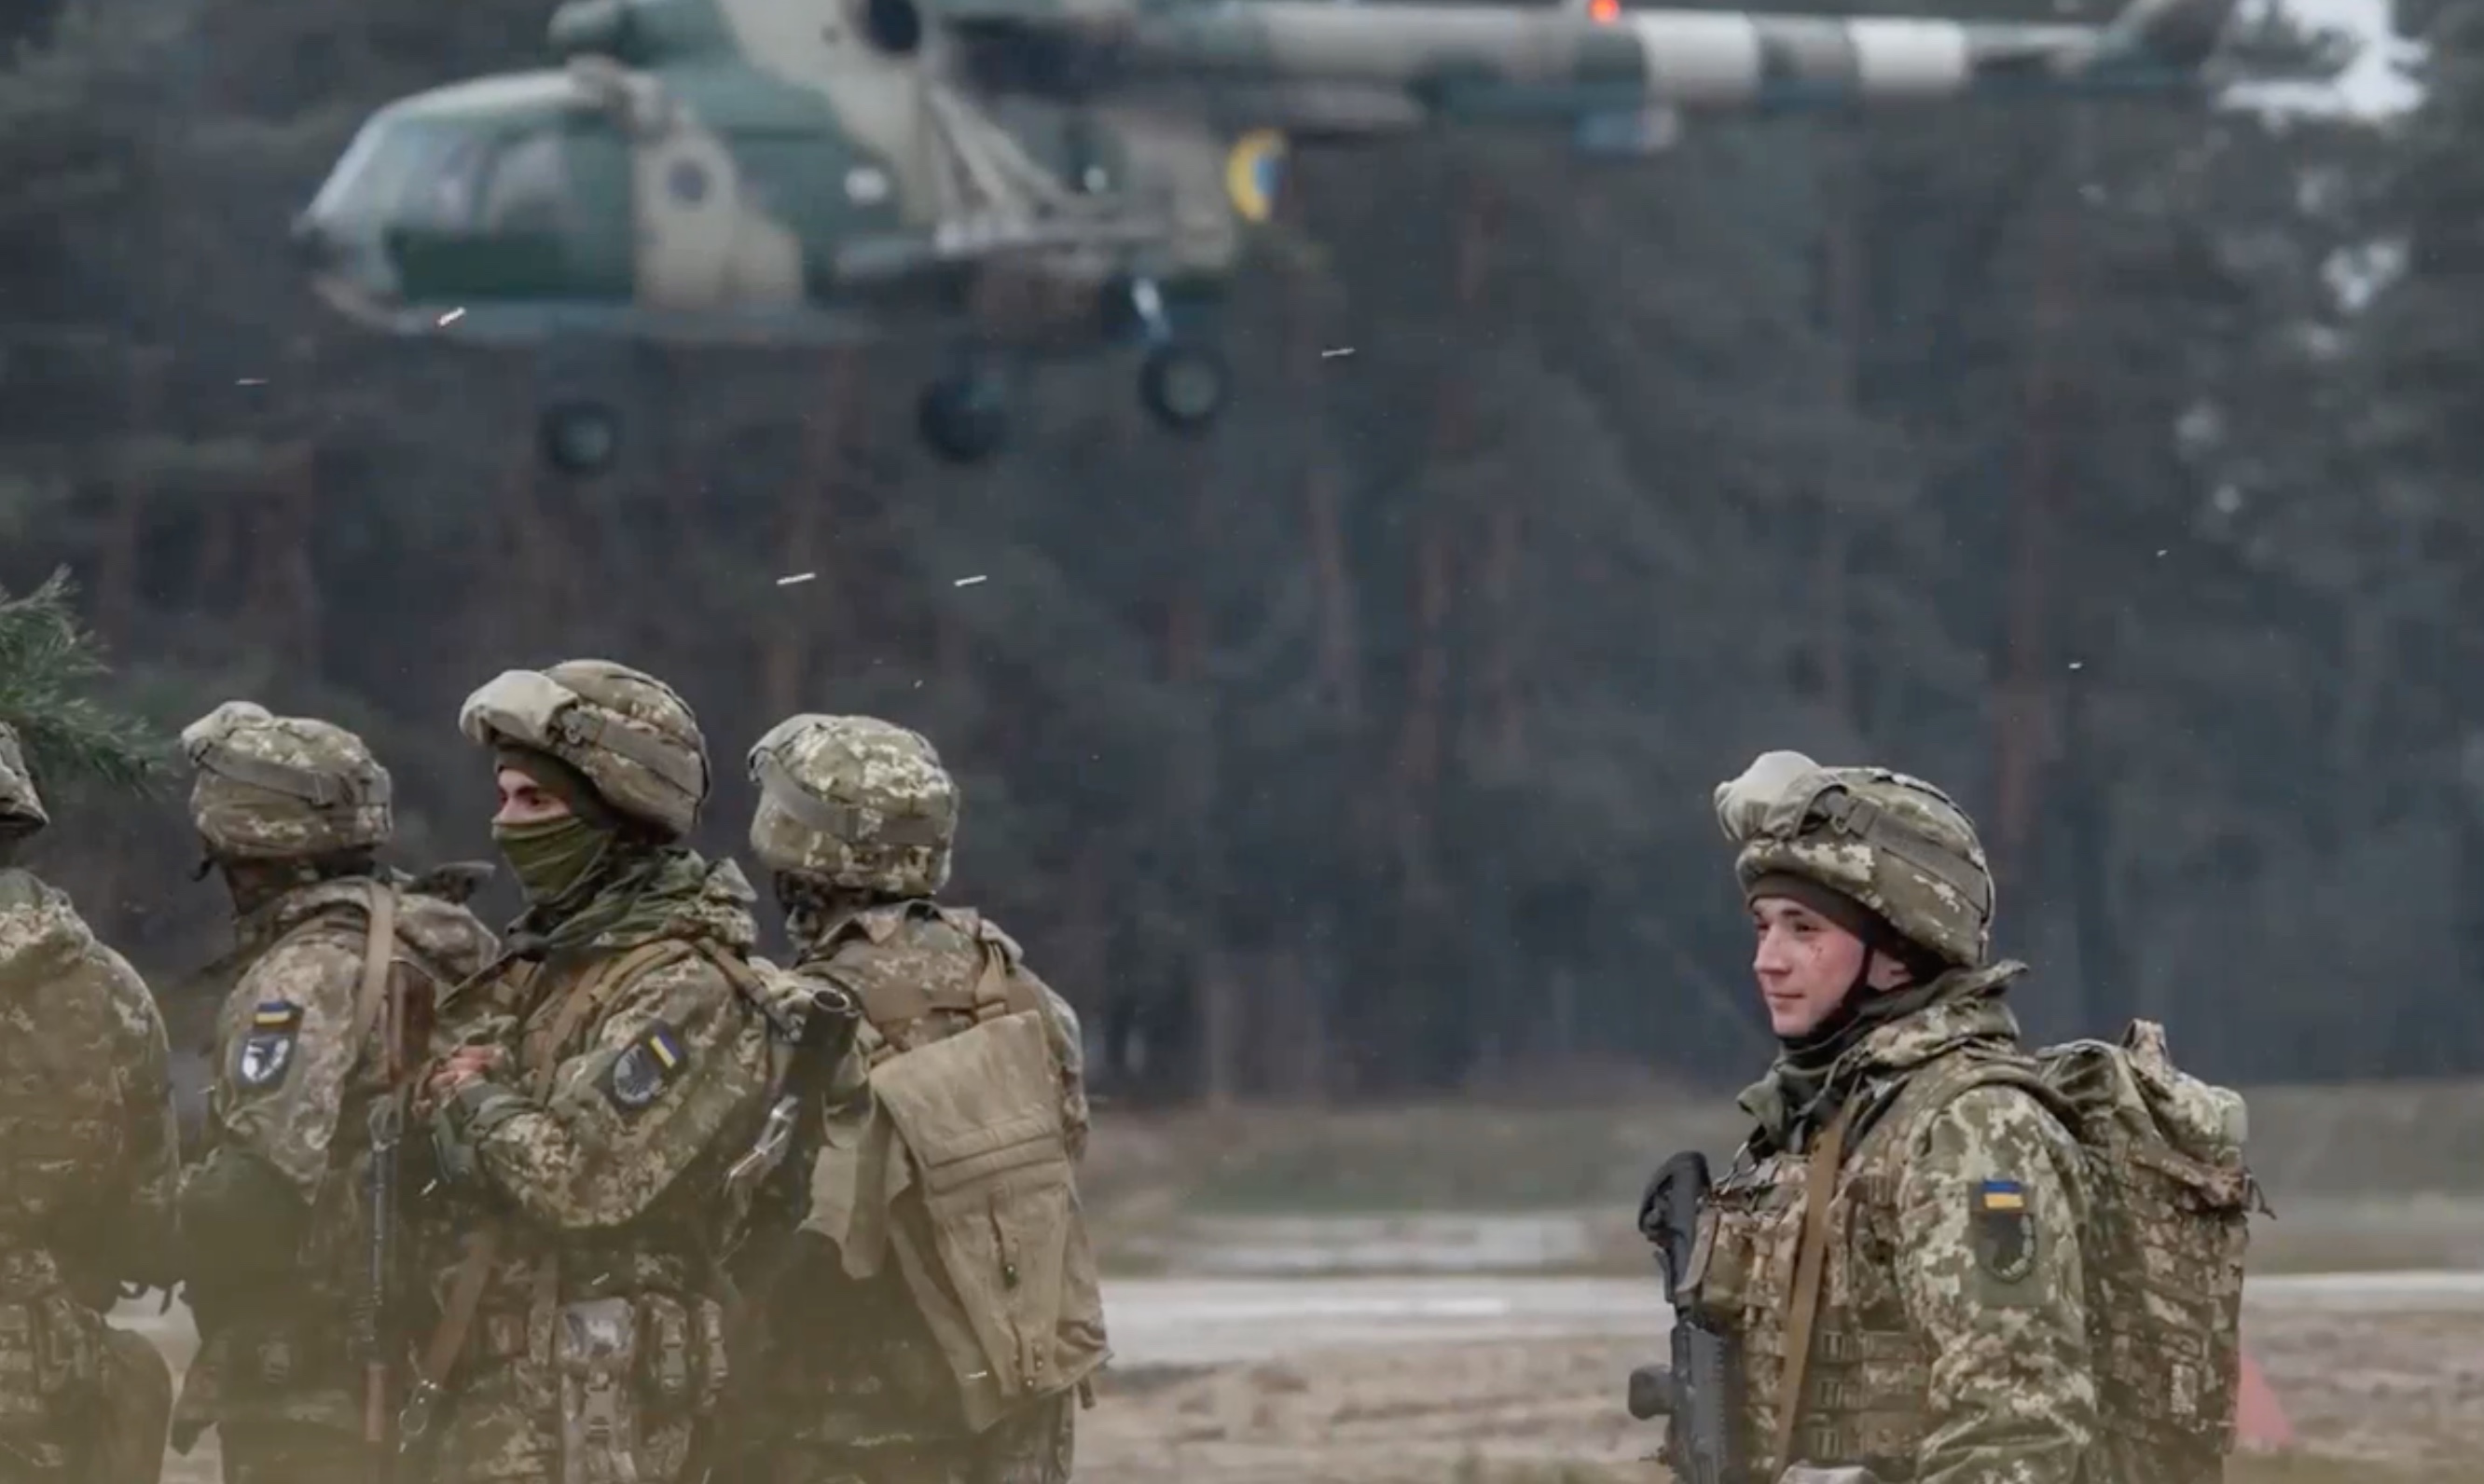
x,y
527,192
406,172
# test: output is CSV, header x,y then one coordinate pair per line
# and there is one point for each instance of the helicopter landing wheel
x,y
963,416
579,438
1184,387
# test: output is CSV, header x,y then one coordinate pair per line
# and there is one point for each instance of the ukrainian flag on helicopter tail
x,y
1255,171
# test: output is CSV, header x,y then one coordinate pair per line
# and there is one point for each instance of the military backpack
x,y
2164,1232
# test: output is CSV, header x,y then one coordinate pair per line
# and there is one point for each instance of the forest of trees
x,y
2112,466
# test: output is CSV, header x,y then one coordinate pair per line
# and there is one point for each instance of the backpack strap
x,y
372,996
999,990
374,999
1819,1180
585,998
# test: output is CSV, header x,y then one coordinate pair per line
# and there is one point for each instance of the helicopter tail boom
x,y
1473,61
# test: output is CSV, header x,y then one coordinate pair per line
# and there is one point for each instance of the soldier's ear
x,y
1886,972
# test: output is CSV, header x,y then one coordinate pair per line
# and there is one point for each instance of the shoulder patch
x,y
267,1053
2003,1229
645,1068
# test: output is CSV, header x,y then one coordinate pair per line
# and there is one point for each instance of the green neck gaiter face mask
x,y
553,858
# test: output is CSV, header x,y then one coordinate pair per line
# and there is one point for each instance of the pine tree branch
x,y
46,660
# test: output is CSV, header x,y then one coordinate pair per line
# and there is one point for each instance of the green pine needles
x,y
46,658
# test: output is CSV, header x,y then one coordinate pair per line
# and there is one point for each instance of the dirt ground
x,y
2375,1399
2385,1392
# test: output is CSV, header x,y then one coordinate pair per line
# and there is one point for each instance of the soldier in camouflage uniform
x,y
1935,1218
607,1073
88,1164
337,965
921,1263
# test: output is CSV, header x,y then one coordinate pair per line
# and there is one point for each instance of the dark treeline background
x,y
2111,465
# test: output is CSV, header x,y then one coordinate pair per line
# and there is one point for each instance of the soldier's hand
x,y
463,1064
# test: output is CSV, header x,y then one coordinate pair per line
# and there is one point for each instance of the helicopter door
x,y
706,241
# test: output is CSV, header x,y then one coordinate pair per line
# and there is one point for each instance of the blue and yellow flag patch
x,y
1255,171
267,1053
645,1068
2002,1229
664,1048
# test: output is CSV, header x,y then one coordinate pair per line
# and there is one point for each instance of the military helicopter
x,y
858,172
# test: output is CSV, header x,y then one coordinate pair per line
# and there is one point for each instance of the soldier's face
x,y
1805,964
525,802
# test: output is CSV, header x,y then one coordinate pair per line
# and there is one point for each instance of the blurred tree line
x,y
2109,465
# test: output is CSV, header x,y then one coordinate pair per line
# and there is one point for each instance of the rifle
x,y
371,1306
1694,1394
374,1310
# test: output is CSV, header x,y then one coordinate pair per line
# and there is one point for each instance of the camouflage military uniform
x,y
322,1023
88,1164
1949,1343
581,1335
921,1263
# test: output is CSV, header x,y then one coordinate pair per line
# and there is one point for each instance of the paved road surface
x,y
1182,1321
1204,1321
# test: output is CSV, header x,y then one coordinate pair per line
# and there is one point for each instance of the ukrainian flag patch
x,y
2002,1229
275,1015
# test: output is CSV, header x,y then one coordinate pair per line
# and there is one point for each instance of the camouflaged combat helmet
x,y
626,731
277,787
21,808
1895,843
856,801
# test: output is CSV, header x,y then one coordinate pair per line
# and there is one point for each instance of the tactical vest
x,y
958,1163
627,1375
2164,1227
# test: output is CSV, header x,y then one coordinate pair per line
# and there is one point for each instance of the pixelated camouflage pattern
x,y
930,943
596,1200
627,733
278,788
1927,1362
2171,1204
276,1453
834,789
1035,1446
873,1373
1896,844
284,1380
88,1168
18,799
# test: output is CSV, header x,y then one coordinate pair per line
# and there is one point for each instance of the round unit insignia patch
x,y
644,1068
265,1059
